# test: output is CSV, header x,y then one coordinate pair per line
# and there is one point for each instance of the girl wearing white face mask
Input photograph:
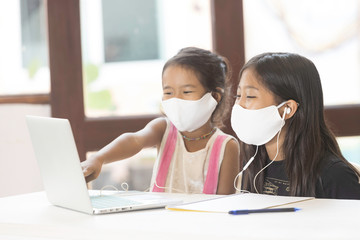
x,y
194,156
287,147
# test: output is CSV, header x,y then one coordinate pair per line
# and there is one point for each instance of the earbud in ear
x,y
288,110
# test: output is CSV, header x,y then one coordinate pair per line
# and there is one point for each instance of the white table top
x,y
31,216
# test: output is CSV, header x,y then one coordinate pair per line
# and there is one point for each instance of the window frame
x,y
67,98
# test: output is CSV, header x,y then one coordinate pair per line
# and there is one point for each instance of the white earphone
x,y
287,110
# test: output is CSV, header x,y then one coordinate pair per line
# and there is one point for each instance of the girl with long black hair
x,y
279,117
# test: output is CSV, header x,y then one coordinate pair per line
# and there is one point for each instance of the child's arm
x,y
230,167
125,146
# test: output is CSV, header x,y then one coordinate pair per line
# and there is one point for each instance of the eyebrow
x,y
183,86
188,85
249,87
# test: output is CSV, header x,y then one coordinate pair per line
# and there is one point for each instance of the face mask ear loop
x,y
244,168
277,152
281,104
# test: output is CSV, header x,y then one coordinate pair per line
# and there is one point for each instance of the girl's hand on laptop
x,y
91,168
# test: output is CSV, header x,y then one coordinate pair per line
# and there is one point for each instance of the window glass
x,y
135,40
325,31
125,45
350,147
24,51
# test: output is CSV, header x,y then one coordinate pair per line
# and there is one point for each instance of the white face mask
x,y
258,126
188,115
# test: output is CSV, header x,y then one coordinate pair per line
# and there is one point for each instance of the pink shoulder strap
x,y
165,160
211,182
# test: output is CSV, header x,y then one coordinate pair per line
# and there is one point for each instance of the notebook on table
x,y
65,186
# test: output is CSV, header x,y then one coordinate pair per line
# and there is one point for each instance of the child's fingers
x,y
90,177
87,171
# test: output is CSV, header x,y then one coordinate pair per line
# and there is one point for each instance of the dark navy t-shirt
x,y
337,180
276,181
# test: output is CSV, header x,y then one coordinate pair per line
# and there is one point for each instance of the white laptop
x,y
63,179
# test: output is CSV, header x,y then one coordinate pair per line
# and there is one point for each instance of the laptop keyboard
x,y
109,201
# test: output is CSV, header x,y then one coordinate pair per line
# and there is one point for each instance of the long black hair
x,y
308,139
213,72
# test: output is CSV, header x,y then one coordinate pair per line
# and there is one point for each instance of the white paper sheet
x,y
225,204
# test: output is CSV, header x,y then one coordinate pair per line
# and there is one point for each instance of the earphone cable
x,y
277,152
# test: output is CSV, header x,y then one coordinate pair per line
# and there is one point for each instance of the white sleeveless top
x,y
187,170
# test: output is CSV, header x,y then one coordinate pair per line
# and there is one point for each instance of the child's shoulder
x,y
230,137
230,141
230,147
157,125
335,168
160,121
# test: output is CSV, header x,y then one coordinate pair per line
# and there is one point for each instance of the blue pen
x,y
264,210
